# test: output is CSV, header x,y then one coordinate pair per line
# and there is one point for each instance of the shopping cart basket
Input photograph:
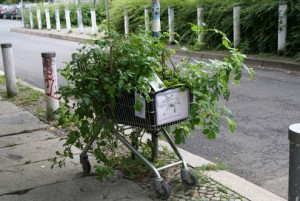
x,y
166,107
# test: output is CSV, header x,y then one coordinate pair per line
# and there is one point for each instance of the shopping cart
x,y
166,107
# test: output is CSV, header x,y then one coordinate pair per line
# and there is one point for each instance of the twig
x,y
111,59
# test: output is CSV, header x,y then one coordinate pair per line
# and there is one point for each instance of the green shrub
x,y
259,21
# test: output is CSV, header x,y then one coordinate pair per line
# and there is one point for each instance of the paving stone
x,y
8,108
37,174
24,138
85,188
38,151
19,122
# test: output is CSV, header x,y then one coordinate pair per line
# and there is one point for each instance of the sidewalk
x,y
26,144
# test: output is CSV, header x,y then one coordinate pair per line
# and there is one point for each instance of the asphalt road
x,y
263,108
259,149
27,51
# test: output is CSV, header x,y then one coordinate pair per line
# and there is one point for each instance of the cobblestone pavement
x,y
207,190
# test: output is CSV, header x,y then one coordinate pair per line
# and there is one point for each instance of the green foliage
x,y
2,80
103,172
259,22
101,71
212,166
26,96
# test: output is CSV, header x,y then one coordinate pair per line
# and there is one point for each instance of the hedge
x,y
259,21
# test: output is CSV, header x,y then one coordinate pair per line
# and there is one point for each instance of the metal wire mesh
x,y
125,113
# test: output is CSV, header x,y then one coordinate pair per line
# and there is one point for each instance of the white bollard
x,y
47,14
50,79
236,25
31,19
171,23
107,11
68,21
79,20
57,19
94,22
200,22
9,69
282,24
146,12
156,26
38,15
126,21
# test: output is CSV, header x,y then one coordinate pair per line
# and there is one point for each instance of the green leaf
x,y
232,124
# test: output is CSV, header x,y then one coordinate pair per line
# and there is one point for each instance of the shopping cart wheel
x,y
86,166
164,191
192,181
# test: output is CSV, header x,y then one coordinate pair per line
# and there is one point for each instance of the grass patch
x,y
213,166
27,98
2,80
11,144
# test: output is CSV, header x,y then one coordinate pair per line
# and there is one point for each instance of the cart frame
x,y
161,188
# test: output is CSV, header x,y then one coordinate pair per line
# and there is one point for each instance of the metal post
x,y
38,14
107,13
294,166
200,21
9,69
79,19
31,19
94,22
282,24
146,11
154,138
236,25
22,13
50,79
156,27
126,21
68,21
171,23
47,19
57,19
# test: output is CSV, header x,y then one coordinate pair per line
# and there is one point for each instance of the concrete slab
x,y
8,108
87,189
24,138
38,174
30,152
19,122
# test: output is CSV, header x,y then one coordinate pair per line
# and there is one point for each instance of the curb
x,y
254,62
59,35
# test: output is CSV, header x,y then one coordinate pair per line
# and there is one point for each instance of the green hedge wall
x,y
259,21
